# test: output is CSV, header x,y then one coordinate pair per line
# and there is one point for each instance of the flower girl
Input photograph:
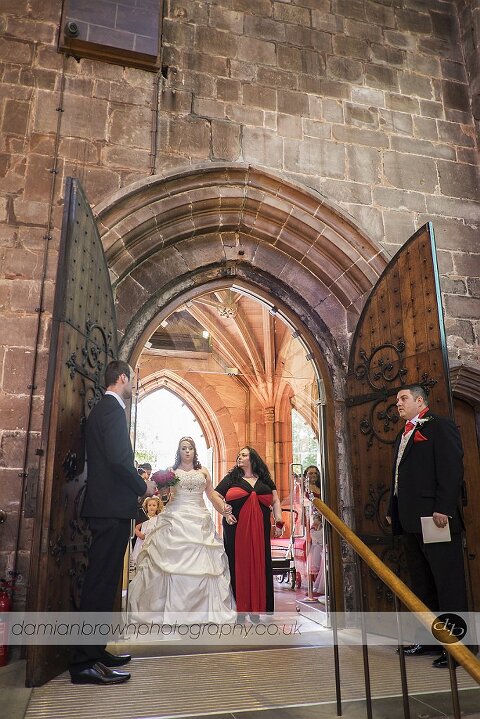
x,y
152,506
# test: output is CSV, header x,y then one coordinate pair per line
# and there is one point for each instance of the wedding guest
x,y
312,474
113,486
317,555
427,478
147,467
251,492
152,506
316,548
140,515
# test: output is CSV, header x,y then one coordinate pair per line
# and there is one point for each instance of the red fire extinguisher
x,y
5,606
6,588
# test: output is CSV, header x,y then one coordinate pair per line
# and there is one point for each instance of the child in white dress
x,y
152,506
317,558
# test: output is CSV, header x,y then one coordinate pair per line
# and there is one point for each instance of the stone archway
x,y
169,239
236,216
167,236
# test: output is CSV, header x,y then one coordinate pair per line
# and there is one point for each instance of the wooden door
x,y
399,340
465,420
84,340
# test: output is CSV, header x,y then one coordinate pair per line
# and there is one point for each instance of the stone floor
x,y
17,701
15,698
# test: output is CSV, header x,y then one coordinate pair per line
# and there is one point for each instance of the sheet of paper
x,y
432,533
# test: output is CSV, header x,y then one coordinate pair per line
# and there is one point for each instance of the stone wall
x,y
366,101
469,14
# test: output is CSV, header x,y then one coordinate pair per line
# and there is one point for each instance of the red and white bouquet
x,y
165,478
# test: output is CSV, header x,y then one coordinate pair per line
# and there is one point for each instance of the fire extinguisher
x,y
5,606
6,588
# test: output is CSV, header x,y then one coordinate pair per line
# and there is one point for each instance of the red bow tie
x,y
408,427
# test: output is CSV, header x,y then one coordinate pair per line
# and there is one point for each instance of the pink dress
x,y
317,560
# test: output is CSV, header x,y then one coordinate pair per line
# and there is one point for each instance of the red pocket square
x,y
419,437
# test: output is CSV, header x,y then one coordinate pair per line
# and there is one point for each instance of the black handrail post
x,y
454,686
330,583
401,657
366,665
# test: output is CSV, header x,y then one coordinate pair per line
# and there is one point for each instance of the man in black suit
x,y
427,482
112,491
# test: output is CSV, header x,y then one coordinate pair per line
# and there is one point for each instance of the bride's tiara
x,y
186,439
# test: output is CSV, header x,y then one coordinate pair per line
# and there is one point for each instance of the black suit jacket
x,y
113,483
430,476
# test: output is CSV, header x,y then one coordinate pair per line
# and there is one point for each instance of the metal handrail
x,y
458,651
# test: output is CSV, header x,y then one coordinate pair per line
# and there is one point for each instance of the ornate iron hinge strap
x,y
96,353
388,416
384,368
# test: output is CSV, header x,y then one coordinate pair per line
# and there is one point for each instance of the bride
x,y
182,570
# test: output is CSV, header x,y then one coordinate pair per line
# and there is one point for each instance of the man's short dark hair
x,y
114,370
145,465
417,391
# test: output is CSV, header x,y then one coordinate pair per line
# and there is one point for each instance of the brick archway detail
x,y
238,213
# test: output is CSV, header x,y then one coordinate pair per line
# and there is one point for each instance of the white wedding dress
x,y
182,569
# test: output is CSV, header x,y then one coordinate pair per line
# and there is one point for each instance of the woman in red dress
x,y
251,492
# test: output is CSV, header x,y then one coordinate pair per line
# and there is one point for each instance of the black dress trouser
x,y
437,577
437,572
110,537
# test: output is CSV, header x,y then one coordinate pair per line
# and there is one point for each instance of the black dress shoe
x,y
98,674
114,660
416,650
441,662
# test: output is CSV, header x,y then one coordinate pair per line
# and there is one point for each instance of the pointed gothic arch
x,y
199,406
165,237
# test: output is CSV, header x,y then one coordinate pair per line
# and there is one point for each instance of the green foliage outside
x,y
304,442
145,455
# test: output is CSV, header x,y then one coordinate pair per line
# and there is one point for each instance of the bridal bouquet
x,y
165,478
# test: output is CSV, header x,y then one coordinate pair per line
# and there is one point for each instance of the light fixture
x,y
164,323
71,29
205,334
148,345
232,371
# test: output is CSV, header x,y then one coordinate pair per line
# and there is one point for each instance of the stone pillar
x,y
269,414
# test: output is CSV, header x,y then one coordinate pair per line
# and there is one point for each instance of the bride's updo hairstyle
x,y
178,459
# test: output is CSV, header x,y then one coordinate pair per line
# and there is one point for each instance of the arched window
x,y
162,419
304,441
